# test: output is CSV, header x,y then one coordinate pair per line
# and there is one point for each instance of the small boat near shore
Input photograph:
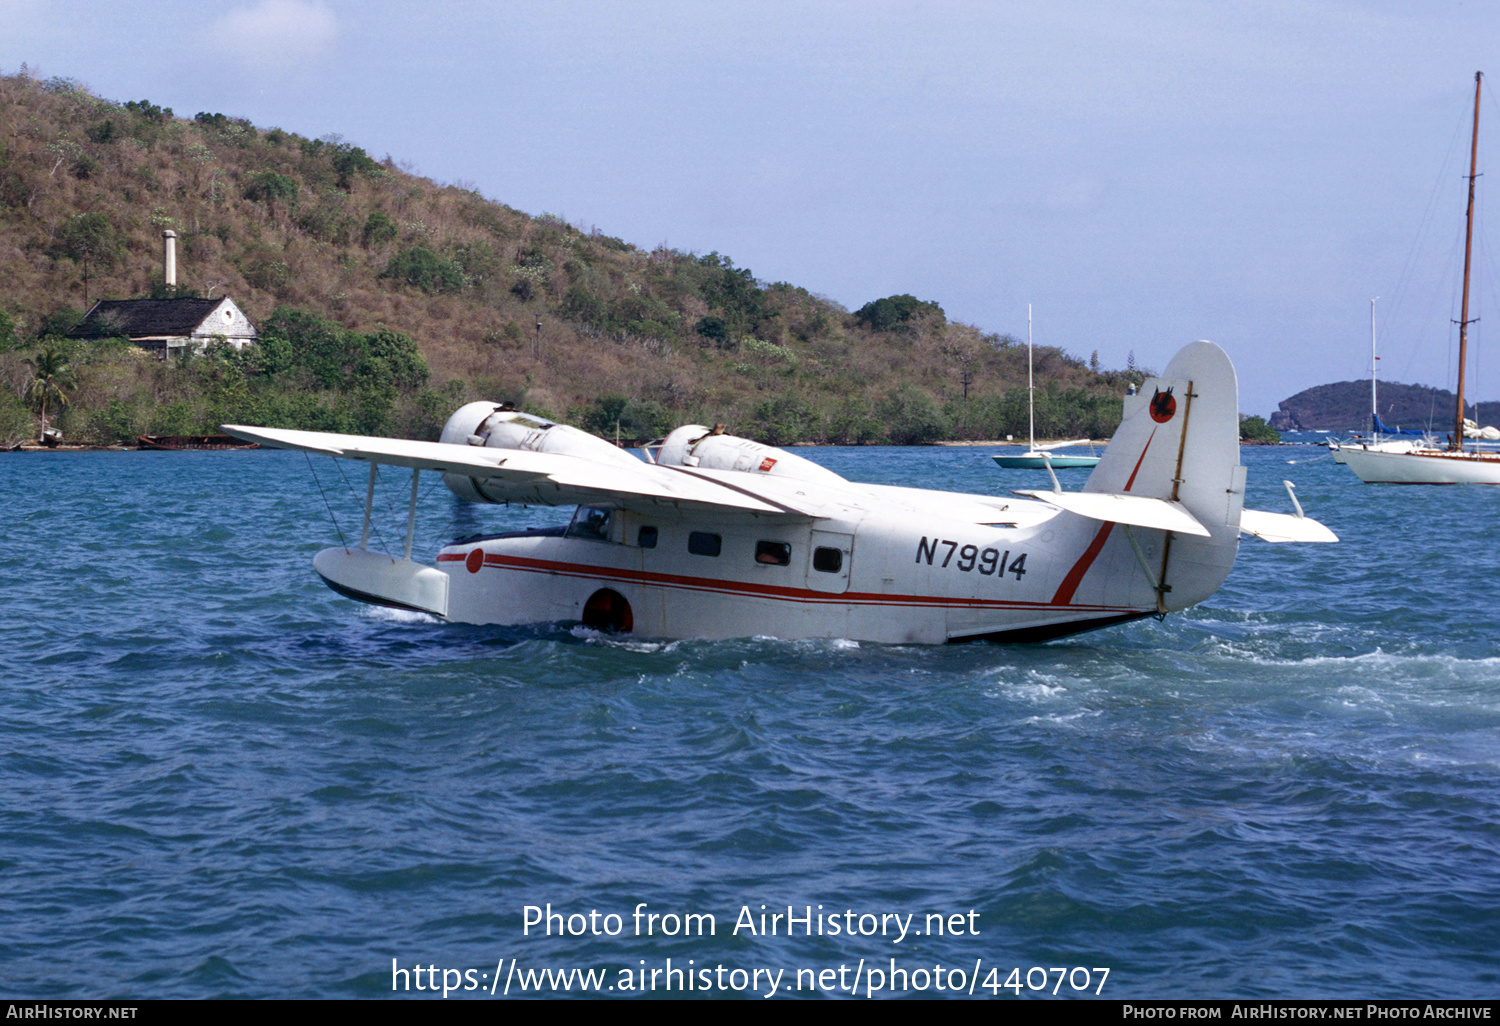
x,y
1041,457
178,443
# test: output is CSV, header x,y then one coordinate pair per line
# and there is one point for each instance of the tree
x,y
89,235
911,417
389,357
1257,431
58,323
350,161
149,111
51,378
604,415
894,312
267,187
421,268
293,338
378,228
715,330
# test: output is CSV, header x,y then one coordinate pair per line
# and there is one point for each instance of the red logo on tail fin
x,y
1163,406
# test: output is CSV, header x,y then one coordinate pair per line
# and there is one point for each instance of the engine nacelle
x,y
502,426
694,445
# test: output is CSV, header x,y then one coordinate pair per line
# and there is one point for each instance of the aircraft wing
x,y
962,506
1283,527
1139,510
555,479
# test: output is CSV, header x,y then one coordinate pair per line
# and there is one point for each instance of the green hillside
x,y
384,300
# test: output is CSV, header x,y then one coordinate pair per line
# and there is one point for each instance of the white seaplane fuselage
x,y
724,537
878,574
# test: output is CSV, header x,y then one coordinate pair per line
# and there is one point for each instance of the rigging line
x,y
375,527
386,495
398,520
335,519
1454,274
1485,290
1397,305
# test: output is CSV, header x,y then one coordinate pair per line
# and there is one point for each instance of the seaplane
x,y
716,536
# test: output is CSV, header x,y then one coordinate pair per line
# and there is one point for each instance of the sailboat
x,y
1415,463
1041,457
1378,428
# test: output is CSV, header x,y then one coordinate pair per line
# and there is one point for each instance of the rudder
x,y
1179,440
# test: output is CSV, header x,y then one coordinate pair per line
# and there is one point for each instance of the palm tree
x,y
51,376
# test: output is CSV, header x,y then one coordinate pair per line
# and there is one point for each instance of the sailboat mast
x,y
1030,384
1463,323
1374,405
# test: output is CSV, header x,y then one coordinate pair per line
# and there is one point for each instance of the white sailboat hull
x,y
1433,466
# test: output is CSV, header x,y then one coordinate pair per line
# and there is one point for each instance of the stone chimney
x,y
169,257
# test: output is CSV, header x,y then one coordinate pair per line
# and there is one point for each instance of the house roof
x,y
140,318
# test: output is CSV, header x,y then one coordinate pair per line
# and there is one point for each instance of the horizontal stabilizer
x,y
1119,508
1283,527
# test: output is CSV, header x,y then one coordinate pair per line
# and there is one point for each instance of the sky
x,y
1142,174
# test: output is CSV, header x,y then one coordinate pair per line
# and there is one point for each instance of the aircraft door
x,y
828,558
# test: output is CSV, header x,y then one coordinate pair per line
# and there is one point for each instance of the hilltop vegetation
x,y
1345,406
384,300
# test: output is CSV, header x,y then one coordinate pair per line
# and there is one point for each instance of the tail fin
x,y
1180,440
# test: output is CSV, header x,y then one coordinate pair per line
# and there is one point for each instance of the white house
x,y
168,324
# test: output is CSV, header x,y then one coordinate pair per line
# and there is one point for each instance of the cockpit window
x,y
591,522
646,539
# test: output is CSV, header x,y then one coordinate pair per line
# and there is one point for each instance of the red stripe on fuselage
x,y
747,589
1071,582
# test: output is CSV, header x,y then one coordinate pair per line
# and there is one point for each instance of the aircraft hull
x,y
950,582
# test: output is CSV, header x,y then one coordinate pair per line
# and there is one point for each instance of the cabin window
x,y
827,560
701,543
591,522
647,538
773,553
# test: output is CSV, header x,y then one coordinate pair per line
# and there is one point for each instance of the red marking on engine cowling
x,y
474,561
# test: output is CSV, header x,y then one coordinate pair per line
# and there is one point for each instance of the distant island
x,y
1345,406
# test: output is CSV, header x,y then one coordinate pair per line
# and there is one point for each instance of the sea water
x,y
219,778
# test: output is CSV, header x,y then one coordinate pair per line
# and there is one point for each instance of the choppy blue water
x,y
220,778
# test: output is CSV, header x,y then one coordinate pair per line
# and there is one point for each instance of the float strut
x,y
411,513
364,536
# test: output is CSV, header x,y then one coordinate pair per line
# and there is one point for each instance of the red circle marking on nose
x,y
474,561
